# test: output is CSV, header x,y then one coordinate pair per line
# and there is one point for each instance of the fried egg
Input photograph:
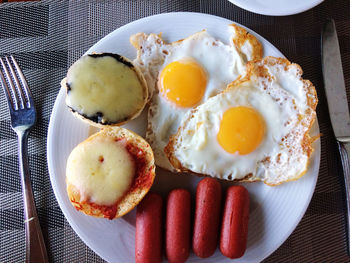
x,y
184,74
256,130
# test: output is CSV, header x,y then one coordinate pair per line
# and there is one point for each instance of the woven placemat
x,y
47,36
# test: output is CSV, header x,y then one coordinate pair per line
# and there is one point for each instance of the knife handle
x,y
344,149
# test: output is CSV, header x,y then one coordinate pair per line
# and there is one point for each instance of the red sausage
x,y
234,229
207,217
178,226
148,239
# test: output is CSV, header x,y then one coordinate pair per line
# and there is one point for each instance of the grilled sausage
x,y
207,217
234,229
148,239
178,226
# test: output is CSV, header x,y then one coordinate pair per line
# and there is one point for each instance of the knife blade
x,y
334,83
337,104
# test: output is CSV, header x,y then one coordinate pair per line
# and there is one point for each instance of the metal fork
x,y
23,117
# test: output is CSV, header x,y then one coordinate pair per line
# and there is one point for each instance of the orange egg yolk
x,y
241,130
183,83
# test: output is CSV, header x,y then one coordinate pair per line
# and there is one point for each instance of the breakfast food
x,y
256,130
207,217
183,74
234,228
178,226
105,89
148,237
109,173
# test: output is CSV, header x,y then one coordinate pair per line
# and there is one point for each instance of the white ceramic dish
x,y
276,7
275,211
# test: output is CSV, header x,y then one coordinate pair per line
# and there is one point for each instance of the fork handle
x,y
35,245
344,149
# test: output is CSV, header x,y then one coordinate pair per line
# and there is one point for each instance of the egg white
x,y
274,88
222,63
200,151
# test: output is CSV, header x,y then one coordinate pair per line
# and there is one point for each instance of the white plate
x,y
276,7
275,211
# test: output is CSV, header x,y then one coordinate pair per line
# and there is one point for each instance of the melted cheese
x,y
104,86
101,169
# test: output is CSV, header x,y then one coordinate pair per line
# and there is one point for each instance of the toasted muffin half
x,y
109,173
105,89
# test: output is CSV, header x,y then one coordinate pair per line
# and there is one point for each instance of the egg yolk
x,y
183,82
241,130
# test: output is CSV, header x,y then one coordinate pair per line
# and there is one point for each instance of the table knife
x,y
337,103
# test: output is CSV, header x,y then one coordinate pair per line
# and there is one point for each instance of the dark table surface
x,y
48,36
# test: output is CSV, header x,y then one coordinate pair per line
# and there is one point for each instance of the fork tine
x,y
24,83
11,91
17,86
6,89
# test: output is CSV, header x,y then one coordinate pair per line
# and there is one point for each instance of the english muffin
x,y
105,89
109,173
